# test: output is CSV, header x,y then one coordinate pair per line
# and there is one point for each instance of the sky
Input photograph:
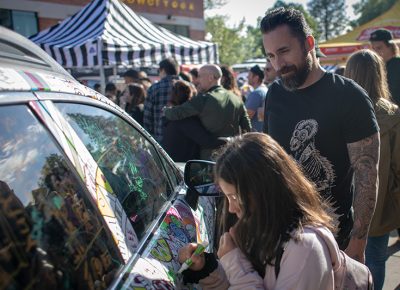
x,y
236,10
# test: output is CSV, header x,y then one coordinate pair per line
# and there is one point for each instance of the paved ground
x,y
392,281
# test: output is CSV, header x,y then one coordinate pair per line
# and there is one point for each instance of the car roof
x,y
24,66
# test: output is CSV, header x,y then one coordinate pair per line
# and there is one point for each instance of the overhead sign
x,y
338,50
164,4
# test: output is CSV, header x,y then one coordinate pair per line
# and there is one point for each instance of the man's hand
x,y
356,249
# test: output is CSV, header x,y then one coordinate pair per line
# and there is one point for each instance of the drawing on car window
x,y
51,235
129,162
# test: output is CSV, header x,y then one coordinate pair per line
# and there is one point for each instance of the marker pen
x,y
200,249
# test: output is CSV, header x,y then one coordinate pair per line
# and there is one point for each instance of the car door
x,y
52,235
147,185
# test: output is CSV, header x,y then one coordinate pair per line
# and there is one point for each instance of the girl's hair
x,y
367,69
274,195
182,92
228,80
137,95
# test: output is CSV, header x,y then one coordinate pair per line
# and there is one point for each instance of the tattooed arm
x,y
364,158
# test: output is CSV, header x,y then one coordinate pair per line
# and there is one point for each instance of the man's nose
x,y
278,63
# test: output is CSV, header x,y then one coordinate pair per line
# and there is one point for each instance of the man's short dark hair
x,y
131,73
170,66
286,16
110,87
258,72
194,72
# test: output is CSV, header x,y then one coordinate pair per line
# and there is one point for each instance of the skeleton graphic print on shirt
x,y
317,167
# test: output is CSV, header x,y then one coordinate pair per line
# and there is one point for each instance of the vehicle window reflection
x,y
128,160
51,235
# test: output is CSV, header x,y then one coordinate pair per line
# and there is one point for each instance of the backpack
x,y
349,274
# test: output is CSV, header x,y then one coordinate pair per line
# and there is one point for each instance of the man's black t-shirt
x,y
314,125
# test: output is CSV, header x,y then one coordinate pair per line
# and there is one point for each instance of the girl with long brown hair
x,y
282,238
368,69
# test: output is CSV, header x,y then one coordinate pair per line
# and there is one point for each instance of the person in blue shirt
x,y
256,99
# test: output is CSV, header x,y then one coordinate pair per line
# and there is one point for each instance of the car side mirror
x,y
199,176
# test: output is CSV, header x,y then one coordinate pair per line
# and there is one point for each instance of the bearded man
x,y
326,122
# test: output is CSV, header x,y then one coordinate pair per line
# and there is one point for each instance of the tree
x,y
211,4
370,9
230,42
330,16
253,41
310,19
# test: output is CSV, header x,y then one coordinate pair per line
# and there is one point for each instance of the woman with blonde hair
x,y
368,70
282,238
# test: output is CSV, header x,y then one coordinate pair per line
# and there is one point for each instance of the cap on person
x,y
257,71
131,73
381,35
318,52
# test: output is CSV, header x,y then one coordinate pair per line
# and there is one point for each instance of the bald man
x,y
220,111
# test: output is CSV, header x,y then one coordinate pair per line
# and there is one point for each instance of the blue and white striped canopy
x,y
108,32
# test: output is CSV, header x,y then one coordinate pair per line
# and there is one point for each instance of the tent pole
x,y
102,79
101,67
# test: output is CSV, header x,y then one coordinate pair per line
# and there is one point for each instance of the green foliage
x,y
253,41
309,18
330,16
234,45
240,43
370,9
211,4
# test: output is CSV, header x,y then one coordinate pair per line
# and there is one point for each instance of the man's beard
x,y
297,75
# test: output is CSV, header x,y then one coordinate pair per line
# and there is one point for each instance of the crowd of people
x,y
308,160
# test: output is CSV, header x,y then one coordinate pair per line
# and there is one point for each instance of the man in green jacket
x,y
220,111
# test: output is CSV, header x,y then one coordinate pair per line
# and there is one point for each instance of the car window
x,y
51,234
128,160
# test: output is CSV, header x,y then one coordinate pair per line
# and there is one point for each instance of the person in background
x,y
97,88
142,75
382,43
368,70
269,73
256,99
146,83
195,74
311,113
131,76
158,96
135,102
111,92
228,80
185,76
183,139
220,111
282,238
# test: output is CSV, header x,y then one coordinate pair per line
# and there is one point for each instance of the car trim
x,y
14,98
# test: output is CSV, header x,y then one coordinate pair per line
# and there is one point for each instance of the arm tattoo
x,y
364,158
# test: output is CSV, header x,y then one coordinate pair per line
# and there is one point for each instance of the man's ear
x,y
310,43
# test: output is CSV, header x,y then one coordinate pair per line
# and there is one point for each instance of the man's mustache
x,y
286,69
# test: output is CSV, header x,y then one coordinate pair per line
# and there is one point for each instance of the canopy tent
x,y
338,49
108,33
